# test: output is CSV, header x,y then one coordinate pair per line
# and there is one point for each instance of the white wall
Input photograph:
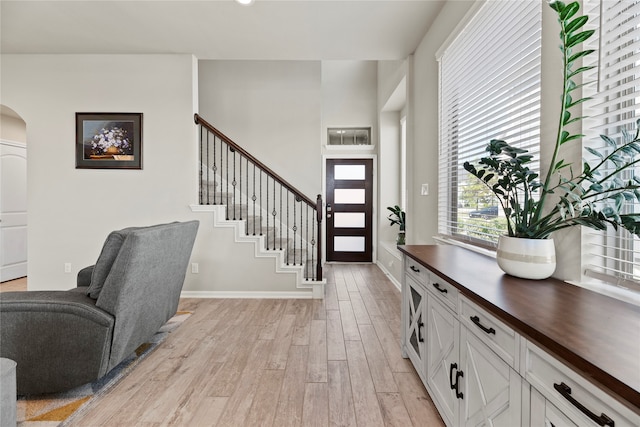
x,y
423,125
349,96
72,210
270,108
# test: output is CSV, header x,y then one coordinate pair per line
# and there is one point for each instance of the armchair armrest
x,y
84,276
59,339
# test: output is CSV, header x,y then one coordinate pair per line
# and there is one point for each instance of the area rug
x,y
60,409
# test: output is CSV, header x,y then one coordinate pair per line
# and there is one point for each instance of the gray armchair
x,y
62,339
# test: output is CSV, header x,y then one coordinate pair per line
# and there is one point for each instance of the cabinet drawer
x,y
569,391
502,339
418,272
443,291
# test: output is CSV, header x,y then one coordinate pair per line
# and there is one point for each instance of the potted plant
x,y
398,216
592,196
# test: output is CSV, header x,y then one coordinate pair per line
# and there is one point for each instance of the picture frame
x,y
108,140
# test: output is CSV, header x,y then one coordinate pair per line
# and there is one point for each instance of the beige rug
x,y
60,409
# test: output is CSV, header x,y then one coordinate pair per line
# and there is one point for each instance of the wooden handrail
x,y
199,120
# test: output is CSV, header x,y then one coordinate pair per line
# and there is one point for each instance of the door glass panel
x,y
349,196
349,172
414,342
348,243
416,297
348,220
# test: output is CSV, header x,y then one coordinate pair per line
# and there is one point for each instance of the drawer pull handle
x,y
476,320
565,391
414,268
455,386
451,368
420,326
437,286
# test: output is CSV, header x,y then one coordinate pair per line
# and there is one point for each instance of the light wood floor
x,y
14,285
331,362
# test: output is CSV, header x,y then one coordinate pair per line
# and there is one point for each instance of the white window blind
x,y
613,256
489,89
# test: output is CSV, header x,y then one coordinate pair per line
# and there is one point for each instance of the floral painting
x,y
108,140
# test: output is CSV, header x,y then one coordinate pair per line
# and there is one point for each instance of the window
x,y
613,256
487,90
349,136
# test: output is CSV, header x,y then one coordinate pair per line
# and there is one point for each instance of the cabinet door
x,y
443,333
414,321
544,414
491,389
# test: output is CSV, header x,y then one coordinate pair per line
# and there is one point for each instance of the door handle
x,y
328,207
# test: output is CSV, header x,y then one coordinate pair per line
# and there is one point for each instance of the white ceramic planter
x,y
526,258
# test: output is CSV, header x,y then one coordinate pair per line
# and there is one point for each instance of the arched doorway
x,y
13,195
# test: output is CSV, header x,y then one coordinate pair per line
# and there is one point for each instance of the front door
x,y
349,210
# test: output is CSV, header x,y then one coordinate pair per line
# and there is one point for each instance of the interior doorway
x,y
349,210
13,196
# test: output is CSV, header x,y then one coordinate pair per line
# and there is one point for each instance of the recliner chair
x,y
62,339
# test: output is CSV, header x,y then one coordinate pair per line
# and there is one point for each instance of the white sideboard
x,y
496,350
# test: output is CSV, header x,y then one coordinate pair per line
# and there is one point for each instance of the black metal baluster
x,y
280,221
267,213
274,213
313,242
295,229
253,197
301,230
247,198
240,186
233,184
288,197
261,202
306,263
201,197
227,172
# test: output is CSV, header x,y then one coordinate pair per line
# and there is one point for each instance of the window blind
x,y
489,88
613,256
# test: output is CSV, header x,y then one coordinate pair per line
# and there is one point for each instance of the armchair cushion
x,y
109,252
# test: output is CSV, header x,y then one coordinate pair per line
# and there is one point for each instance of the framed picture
x,y
108,140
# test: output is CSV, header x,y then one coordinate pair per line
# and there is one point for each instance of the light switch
x,y
424,191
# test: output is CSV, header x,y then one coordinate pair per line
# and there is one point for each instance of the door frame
x,y
374,213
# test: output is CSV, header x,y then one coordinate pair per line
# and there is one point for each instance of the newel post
x,y
319,247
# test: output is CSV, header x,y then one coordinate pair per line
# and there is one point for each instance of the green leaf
x,y
570,10
609,140
567,100
579,101
575,24
576,39
596,187
558,6
595,152
580,70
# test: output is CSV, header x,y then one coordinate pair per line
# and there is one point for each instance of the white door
x,y
13,210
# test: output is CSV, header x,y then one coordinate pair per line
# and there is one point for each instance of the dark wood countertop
x,y
597,336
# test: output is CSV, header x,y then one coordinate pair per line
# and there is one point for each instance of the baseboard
x,y
247,295
389,276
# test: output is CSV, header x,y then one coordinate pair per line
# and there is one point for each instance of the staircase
x,y
262,207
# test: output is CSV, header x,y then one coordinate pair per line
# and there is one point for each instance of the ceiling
x,y
219,29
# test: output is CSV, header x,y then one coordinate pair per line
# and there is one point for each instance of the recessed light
x,y
245,2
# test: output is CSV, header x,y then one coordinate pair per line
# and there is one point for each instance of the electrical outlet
x,y
194,268
67,267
